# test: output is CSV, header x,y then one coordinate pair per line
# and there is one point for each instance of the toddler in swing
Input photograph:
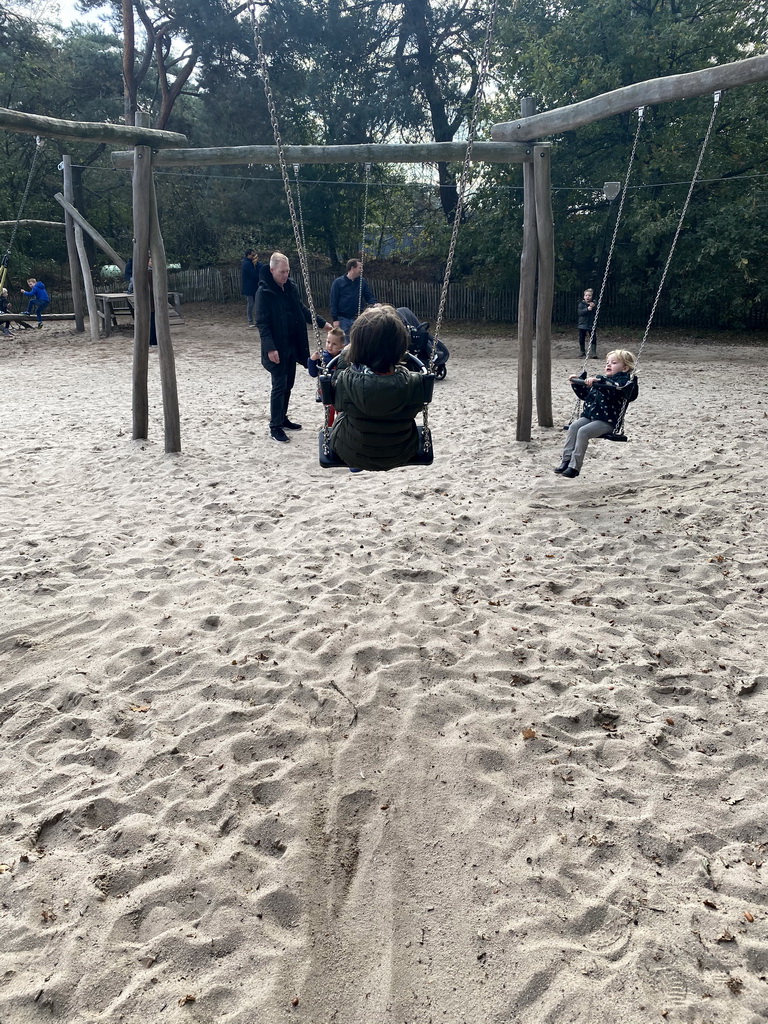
x,y
604,396
334,343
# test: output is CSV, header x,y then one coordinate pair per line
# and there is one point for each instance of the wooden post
x,y
142,202
74,266
163,329
525,307
542,182
90,291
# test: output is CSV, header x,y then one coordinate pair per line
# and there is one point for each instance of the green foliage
x,y
353,71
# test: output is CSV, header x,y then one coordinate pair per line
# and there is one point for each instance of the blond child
x,y
605,397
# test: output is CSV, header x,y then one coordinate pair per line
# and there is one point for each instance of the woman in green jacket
x,y
376,397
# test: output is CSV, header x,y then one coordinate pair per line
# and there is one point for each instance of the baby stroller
x,y
421,342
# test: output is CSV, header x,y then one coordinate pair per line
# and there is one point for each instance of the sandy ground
x,y
470,743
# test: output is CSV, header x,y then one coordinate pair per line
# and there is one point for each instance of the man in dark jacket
x,y
350,295
249,276
282,320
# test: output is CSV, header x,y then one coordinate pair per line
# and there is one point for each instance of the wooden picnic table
x,y
113,305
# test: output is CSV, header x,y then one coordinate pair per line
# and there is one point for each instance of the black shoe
x,y
563,466
593,355
287,425
278,434
570,473
582,351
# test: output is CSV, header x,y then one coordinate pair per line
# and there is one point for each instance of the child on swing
x,y
377,395
334,343
604,397
5,308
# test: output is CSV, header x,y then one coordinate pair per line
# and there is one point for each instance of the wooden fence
x,y
464,302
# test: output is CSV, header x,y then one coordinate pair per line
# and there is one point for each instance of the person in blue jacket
x,y
249,282
39,299
350,295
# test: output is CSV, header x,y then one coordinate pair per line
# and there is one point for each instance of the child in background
x,y
334,343
39,299
604,397
5,308
587,308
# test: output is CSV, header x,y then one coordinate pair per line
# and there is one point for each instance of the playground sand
x,y
468,744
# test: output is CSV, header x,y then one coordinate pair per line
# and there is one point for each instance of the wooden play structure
x,y
513,142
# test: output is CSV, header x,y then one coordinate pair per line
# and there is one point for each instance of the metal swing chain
x,y
298,202
716,104
617,225
284,170
716,100
39,143
464,177
362,243
612,247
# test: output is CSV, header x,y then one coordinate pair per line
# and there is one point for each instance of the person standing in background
x,y
249,277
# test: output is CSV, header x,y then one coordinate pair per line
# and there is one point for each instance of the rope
x,y
39,143
362,242
464,177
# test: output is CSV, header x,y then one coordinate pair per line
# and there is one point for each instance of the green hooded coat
x,y
377,430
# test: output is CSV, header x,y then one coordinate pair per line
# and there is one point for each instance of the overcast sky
x,y
62,11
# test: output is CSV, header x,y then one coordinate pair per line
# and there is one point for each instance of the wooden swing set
x,y
512,142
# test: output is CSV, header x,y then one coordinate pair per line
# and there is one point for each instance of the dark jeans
x,y
37,307
283,377
584,338
345,323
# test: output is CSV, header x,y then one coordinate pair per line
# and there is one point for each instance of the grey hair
x,y
278,257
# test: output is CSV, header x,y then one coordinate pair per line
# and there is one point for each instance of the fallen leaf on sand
x,y
529,734
748,916
4,868
726,937
140,707
187,999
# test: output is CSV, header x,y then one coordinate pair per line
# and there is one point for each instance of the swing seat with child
x,y
376,397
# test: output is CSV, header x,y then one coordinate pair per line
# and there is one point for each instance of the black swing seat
x,y
423,457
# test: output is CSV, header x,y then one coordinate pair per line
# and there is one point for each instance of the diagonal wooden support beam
x,y
630,97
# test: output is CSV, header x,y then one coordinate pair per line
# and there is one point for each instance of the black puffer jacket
x,y
605,399
377,430
282,319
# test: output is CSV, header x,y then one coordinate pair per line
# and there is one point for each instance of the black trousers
x,y
283,378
